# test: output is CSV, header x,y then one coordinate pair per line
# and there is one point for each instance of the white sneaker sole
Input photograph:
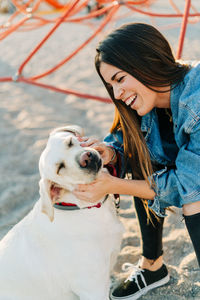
x,y
144,290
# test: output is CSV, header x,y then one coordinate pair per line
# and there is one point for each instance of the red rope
x,y
158,15
48,35
54,3
183,28
64,91
13,28
104,23
4,79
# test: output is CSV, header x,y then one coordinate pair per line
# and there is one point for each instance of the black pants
x,y
193,226
151,234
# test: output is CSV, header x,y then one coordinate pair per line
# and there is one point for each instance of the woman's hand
x,y
96,190
105,151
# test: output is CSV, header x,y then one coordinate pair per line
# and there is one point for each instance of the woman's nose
x,y
118,92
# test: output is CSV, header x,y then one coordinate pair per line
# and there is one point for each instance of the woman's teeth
x,y
131,100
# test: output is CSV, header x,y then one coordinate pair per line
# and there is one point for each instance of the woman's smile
x,y
130,100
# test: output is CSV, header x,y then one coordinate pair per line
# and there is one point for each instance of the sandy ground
x,y
28,113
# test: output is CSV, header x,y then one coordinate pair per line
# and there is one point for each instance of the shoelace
x,y
136,271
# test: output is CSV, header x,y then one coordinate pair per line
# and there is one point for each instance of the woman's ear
x,y
46,203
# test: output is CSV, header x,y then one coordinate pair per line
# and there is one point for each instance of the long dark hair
x,y
143,52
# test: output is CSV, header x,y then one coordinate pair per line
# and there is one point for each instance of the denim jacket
x,y
178,185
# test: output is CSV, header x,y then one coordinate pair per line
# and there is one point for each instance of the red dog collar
x,y
72,206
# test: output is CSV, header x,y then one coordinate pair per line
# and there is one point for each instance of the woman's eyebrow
x,y
113,77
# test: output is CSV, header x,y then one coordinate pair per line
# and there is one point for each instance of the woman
x,y
155,136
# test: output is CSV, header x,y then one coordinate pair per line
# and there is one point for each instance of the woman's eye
x,y
120,79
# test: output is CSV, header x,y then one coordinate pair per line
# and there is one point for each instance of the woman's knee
x,y
191,208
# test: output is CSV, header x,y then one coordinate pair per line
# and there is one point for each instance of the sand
x,y
28,114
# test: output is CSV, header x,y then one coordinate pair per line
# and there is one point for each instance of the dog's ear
x,y
75,129
46,204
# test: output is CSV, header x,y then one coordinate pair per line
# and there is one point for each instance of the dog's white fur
x,y
57,254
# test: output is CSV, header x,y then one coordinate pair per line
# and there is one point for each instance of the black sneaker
x,y
139,283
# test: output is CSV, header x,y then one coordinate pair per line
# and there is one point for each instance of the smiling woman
x,y
156,137
132,92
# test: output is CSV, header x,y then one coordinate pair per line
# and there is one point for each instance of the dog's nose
x,y
90,160
85,159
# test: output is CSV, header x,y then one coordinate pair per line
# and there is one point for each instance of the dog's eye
x,y
60,166
70,143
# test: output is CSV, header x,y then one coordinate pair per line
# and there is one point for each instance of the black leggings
x,y
152,247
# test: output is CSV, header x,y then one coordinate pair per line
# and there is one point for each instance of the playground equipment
x,y
29,16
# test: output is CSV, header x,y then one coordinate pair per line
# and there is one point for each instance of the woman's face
x,y
131,91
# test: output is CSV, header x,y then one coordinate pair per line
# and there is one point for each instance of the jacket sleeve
x,y
115,140
180,185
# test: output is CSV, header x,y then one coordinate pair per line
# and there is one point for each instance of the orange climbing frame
x,y
31,19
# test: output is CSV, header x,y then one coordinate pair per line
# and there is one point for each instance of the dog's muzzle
x,y
90,160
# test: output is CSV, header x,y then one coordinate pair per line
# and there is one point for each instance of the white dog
x,y
63,252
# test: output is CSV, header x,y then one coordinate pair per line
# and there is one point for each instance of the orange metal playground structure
x,y
28,17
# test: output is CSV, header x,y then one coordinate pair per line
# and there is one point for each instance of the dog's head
x,y
63,164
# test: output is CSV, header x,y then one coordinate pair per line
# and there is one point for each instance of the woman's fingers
x,y
82,138
101,147
95,190
81,187
91,142
83,195
87,142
